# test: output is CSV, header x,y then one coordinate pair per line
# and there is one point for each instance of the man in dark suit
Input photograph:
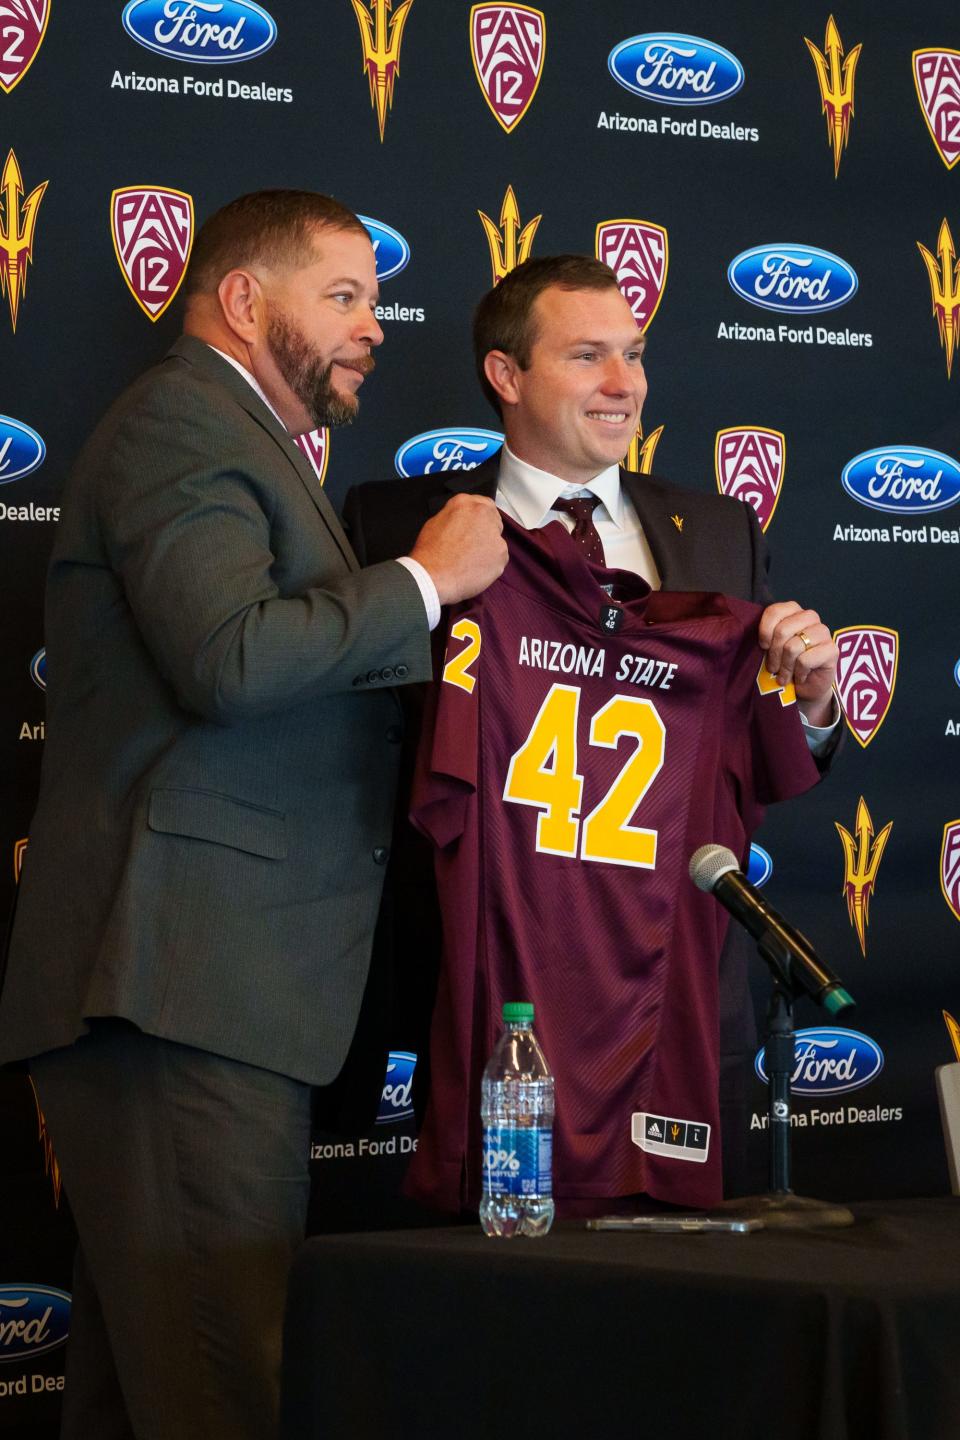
x,y
560,358
205,865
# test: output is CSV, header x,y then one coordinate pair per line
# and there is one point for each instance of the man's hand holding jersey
x,y
800,651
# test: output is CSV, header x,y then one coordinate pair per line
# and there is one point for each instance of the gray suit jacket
x,y
208,850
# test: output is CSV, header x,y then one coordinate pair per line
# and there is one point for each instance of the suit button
x,y
402,671
386,673
394,734
358,679
381,855
373,676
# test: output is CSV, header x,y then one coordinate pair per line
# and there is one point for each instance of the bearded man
x,y
198,900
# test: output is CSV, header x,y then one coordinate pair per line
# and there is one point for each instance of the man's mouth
x,y
363,364
608,417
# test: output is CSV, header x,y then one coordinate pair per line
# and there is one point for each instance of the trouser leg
x,y
188,1179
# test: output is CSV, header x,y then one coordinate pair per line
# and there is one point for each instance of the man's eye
x,y
587,355
343,297
633,356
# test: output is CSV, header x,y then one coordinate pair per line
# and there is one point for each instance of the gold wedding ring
x,y
807,644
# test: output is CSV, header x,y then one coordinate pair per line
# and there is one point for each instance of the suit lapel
x,y
660,511
196,353
481,481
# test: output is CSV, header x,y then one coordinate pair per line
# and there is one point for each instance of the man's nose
x,y
369,331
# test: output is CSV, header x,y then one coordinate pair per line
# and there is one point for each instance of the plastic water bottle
x,y
517,1112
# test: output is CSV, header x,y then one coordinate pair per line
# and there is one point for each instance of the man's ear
x,y
242,303
501,372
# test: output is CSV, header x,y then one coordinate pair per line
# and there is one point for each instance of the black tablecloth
x,y
831,1335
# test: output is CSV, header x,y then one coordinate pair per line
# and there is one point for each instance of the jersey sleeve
x,y
447,769
781,760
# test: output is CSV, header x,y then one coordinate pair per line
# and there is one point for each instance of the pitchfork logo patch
x,y
936,75
152,237
507,45
638,252
750,463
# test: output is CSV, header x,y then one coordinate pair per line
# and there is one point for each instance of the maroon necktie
x,y
584,530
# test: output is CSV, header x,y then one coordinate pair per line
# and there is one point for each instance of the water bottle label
x,y
517,1161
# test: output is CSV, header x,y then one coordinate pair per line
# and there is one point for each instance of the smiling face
x,y
574,410
318,332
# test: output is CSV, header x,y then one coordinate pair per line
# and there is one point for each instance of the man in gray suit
x,y
205,865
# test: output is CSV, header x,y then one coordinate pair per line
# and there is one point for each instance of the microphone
x,y
714,869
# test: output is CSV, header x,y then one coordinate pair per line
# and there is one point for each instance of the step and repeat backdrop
x,y
779,194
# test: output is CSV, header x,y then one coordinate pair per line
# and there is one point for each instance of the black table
x,y
832,1335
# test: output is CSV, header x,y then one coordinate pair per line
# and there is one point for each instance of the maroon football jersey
x,y
586,736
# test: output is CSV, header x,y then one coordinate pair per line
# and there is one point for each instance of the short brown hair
x,y
275,228
504,318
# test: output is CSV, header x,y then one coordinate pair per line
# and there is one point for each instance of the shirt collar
x,y
250,379
530,492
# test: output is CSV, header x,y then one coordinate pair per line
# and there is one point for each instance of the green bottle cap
x,y
518,1012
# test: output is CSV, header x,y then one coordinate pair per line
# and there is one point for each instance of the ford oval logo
x,y
828,1061
437,450
389,247
33,1319
675,69
904,479
761,866
38,669
396,1100
21,450
795,279
205,32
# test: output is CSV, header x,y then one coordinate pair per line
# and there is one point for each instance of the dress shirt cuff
x,y
431,600
820,738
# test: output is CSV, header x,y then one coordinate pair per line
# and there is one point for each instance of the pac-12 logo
x,y
33,1320
950,866
21,450
675,69
750,462
507,45
866,676
438,450
316,446
152,238
391,251
936,75
396,1098
794,279
23,24
903,479
638,252
205,32
829,1061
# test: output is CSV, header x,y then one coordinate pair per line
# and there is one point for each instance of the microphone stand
x,y
780,1207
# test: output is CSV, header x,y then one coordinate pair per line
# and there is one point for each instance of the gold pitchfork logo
x,y
861,859
836,87
944,289
16,233
381,35
509,245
